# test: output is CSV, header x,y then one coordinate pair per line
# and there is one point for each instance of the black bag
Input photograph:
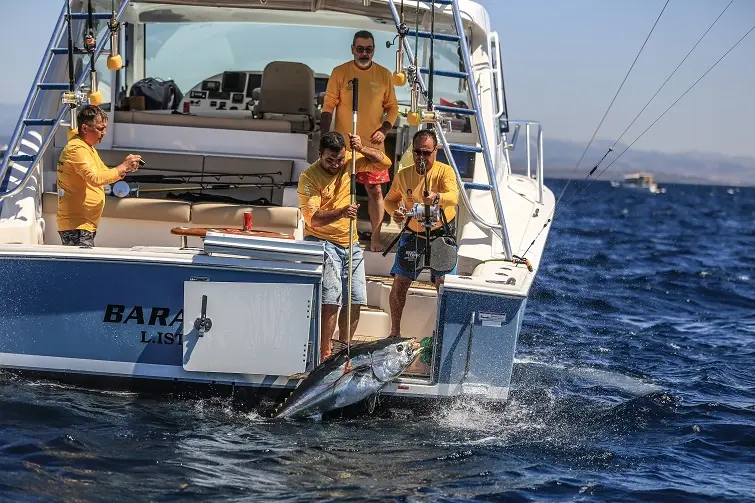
x,y
443,250
158,94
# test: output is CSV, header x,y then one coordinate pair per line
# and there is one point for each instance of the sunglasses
x,y
423,153
367,50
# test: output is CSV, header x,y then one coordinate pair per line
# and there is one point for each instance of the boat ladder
x,y
436,114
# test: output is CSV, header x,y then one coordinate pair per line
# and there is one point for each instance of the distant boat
x,y
639,180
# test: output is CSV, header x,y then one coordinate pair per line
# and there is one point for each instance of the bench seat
x,y
142,221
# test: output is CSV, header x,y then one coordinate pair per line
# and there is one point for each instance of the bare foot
x,y
375,245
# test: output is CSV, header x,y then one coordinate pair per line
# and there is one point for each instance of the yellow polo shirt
x,y
319,190
410,185
377,103
81,174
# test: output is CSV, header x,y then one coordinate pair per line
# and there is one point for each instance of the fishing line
x,y
679,98
585,182
661,116
568,182
612,102
672,73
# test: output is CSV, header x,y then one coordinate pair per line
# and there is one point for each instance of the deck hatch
x,y
256,328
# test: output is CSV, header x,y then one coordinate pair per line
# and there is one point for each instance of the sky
x,y
563,63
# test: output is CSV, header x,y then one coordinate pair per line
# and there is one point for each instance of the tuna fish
x,y
339,381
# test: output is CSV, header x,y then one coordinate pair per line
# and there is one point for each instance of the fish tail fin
x,y
336,346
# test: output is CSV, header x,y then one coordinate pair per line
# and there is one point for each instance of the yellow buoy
x,y
95,98
115,63
399,79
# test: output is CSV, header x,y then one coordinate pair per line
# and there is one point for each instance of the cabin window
x,y
188,53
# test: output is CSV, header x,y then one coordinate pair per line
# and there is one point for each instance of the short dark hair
x,y
89,114
332,140
363,34
428,133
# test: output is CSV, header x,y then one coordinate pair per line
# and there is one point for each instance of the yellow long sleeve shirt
x,y
81,175
409,186
377,102
319,190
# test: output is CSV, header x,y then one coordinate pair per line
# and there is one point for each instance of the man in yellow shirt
x,y
407,189
376,113
81,176
324,191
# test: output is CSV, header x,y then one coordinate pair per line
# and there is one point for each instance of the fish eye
x,y
400,348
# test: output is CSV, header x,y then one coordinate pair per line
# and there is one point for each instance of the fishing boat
x,y
639,180
200,279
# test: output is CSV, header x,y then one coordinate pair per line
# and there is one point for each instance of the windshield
x,y
190,53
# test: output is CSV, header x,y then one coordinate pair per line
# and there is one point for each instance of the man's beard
x,y
363,63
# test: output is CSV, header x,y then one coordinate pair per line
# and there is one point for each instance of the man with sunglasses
x,y
324,191
81,176
407,189
377,111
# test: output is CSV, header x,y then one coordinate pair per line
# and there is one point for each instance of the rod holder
x,y
114,61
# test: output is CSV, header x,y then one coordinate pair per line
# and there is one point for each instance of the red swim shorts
x,y
373,177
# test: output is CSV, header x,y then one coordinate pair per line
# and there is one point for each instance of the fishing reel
x,y
121,189
417,212
400,76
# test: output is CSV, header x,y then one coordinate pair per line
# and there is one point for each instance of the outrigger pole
x,y
352,200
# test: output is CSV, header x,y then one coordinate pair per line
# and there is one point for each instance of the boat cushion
x,y
182,120
274,219
134,208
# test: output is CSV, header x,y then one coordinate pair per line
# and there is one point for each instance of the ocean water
x,y
634,381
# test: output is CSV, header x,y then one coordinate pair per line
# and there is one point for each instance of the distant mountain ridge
x,y
561,157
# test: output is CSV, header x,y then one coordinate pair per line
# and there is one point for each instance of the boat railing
x,y
504,147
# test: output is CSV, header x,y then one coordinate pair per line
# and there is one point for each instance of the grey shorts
x,y
335,277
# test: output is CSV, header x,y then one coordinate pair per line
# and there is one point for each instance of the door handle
x,y
203,323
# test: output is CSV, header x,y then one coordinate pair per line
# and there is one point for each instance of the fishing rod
x,y
413,116
426,194
123,189
114,61
352,201
185,178
431,63
69,98
221,186
90,44
399,76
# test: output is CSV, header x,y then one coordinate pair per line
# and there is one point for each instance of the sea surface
x,y
634,381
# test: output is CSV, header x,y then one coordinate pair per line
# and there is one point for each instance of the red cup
x,y
247,220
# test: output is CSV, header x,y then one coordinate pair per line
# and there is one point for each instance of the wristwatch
x,y
437,198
